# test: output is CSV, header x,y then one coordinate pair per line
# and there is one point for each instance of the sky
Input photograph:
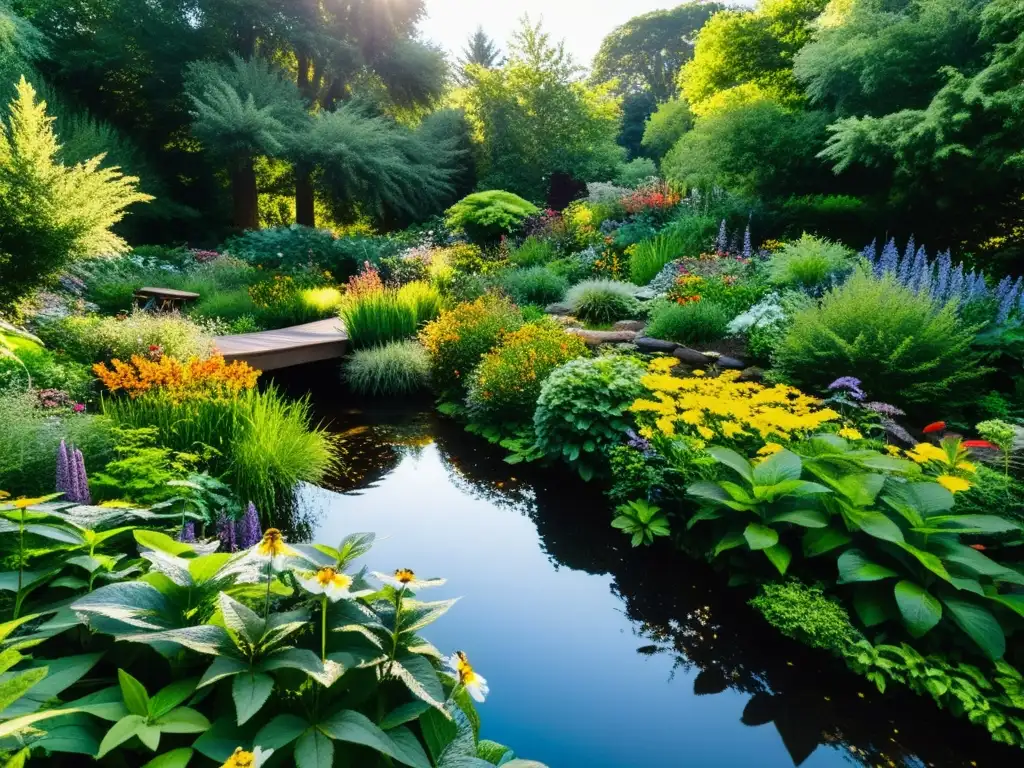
x,y
582,23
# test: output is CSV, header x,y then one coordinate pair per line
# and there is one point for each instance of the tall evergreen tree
x,y
480,51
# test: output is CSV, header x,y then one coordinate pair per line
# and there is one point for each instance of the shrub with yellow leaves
x,y
725,410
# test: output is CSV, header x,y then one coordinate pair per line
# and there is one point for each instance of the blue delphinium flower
x,y
888,262
187,535
1008,302
722,243
943,270
249,532
226,533
748,249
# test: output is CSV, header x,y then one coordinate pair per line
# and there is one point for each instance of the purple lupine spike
x,y
977,289
1020,307
748,248
187,535
73,491
907,263
956,285
943,268
850,385
248,528
917,272
81,479
870,253
888,262
226,533
63,470
722,244
1003,288
1008,302
884,409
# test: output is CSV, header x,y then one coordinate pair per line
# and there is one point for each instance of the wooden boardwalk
x,y
272,350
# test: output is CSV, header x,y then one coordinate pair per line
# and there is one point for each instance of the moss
x,y
804,613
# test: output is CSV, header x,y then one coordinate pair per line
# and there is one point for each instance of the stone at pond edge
x,y
649,345
646,294
692,356
558,309
753,374
725,361
629,325
597,338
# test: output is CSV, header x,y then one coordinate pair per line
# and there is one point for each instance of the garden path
x,y
272,350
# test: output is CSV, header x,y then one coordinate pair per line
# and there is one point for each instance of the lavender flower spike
x,y
188,533
226,533
248,528
63,470
81,479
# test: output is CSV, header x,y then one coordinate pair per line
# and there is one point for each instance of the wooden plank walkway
x,y
272,350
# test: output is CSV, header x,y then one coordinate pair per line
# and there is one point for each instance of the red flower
x,y
980,444
936,426
154,347
979,547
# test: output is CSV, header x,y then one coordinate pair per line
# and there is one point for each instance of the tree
x,y
534,118
647,52
665,127
636,109
480,51
242,110
750,48
50,212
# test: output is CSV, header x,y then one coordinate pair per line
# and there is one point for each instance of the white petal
x,y
478,691
310,585
259,756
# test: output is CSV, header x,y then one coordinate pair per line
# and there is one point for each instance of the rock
x,y
597,338
629,325
753,374
691,356
567,321
649,345
559,309
646,294
724,361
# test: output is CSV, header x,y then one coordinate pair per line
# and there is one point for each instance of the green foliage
x,y
52,213
651,256
535,118
583,410
290,249
30,437
533,285
666,126
804,613
394,369
486,216
810,263
636,172
505,386
376,318
603,301
903,347
532,252
642,521
697,322
141,470
462,335
94,339
29,361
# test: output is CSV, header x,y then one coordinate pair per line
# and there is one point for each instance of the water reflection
x,y
598,654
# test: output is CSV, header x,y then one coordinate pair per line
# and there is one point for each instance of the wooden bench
x,y
163,299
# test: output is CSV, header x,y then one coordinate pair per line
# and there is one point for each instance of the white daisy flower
x,y
327,581
404,578
273,548
468,678
242,759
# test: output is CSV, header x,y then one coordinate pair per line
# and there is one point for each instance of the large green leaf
x,y
806,518
134,694
124,729
873,524
760,537
176,758
705,489
928,560
206,638
727,542
860,490
979,624
404,713
988,524
854,566
420,678
356,728
222,666
182,720
416,615
439,730
920,610
14,685
161,542
301,659
171,696
927,499
314,749
777,468
281,731
250,691
61,674
818,542
221,739
871,604
734,461
240,619
137,605
780,557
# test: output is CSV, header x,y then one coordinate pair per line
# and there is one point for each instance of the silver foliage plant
x,y
946,282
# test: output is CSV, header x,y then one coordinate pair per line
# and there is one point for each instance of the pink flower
x,y
79,408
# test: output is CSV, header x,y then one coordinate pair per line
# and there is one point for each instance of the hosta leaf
x,y
928,560
281,731
120,732
976,523
162,542
206,567
1014,603
76,734
314,750
206,638
734,461
806,518
854,566
135,604
420,678
176,758
778,468
927,499
818,542
760,537
250,692
920,610
859,490
870,605
979,624
356,728
780,557
727,542
702,514
873,524
707,490
56,533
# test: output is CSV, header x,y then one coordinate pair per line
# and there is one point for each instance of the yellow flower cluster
x,y
947,461
724,408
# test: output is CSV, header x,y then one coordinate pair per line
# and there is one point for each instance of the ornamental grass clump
x,y
810,264
903,346
378,317
506,384
603,301
723,409
395,369
534,285
459,337
696,322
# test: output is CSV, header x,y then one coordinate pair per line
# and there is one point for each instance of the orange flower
x,y
178,380
935,426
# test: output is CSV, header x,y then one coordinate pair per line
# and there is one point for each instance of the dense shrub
x,y
45,369
804,613
583,410
603,301
296,247
532,252
94,339
902,346
486,216
461,336
470,259
533,285
505,386
696,322
394,369
810,263
636,172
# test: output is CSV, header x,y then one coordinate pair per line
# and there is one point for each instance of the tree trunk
x,y
305,214
243,189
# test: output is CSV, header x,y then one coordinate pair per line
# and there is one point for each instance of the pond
x,y
599,655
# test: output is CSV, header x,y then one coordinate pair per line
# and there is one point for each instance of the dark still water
x,y
599,655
